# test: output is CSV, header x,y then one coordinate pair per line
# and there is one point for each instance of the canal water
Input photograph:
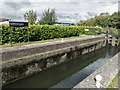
x,y
70,73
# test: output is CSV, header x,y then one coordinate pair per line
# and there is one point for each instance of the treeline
x,y
43,32
48,17
103,20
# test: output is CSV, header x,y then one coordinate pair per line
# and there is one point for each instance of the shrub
x,y
43,32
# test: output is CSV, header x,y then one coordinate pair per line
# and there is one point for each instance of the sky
x,y
69,11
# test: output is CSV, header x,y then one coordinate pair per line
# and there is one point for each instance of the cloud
x,y
17,5
66,10
12,9
91,13
111,8
81,1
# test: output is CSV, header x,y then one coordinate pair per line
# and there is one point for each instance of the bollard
x,y
93,36
62,40
98,79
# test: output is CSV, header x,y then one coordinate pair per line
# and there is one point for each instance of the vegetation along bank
x,y
44,32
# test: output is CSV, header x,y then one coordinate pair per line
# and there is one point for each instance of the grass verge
x,y
114,83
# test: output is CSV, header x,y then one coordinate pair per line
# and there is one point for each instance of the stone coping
x,y
26,51
108,71
35,45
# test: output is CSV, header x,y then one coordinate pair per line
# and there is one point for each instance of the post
x,y
28,33
10,37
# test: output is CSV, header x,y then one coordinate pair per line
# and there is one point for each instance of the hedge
x,y
43,32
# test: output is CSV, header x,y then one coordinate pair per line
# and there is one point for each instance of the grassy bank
x,y
42,41
114,83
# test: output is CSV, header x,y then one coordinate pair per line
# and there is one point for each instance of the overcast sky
x,y
66,10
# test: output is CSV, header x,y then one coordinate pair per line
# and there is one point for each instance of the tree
x,y
31,16
49,17
104,14
103,20
114,20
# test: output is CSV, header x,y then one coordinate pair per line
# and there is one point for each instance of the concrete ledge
x,y
108,71
17,53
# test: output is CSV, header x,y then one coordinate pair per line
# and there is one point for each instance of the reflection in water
x,y
80,75
68,74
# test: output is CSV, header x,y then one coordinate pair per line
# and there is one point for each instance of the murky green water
x,y
70,73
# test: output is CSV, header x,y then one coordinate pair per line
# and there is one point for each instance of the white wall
x,y
5,22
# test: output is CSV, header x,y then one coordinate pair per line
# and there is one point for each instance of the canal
x,y
70,73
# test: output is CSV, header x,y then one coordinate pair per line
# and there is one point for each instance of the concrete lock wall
x,y
16,53
18,64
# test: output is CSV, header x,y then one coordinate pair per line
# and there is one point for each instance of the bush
x,y
112,30
43,32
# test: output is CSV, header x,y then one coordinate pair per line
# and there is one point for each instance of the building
x,y
4,21
65,24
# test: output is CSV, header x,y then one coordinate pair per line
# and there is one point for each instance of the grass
x,y
42,41
114,83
